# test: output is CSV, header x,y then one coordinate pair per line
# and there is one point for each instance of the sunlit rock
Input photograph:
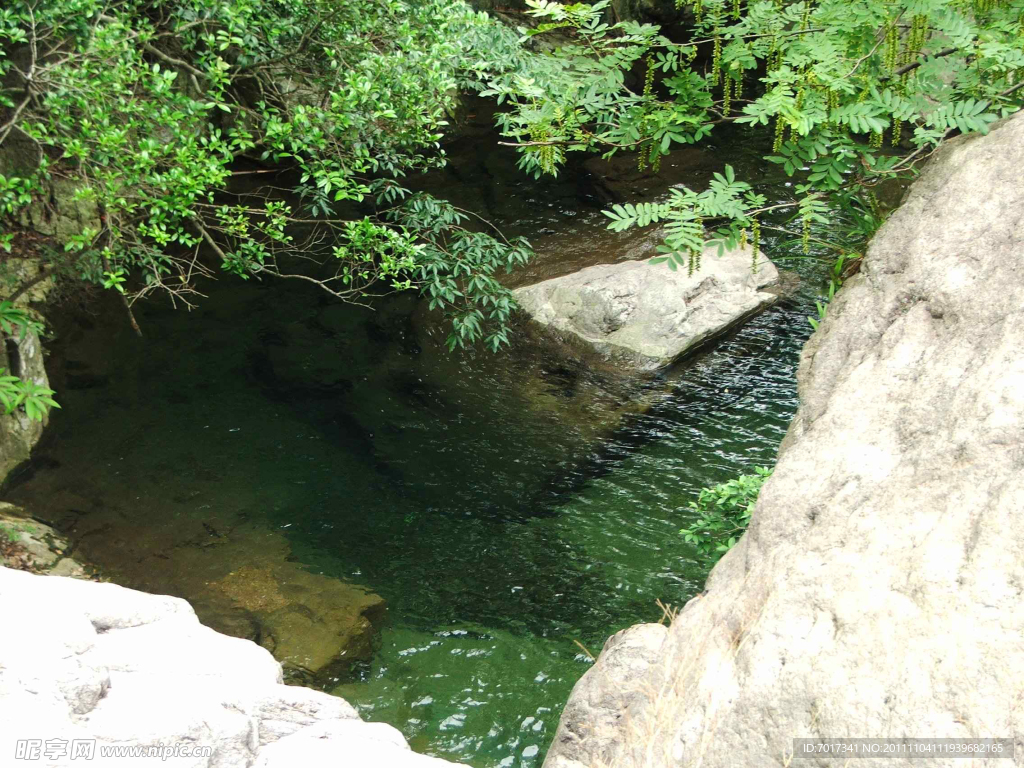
x,y
646,316
86,661
598,700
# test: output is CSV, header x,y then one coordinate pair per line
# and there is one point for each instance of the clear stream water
x,y
496,502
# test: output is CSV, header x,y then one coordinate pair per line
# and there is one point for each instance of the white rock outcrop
x,y
646,316
86,661
878,590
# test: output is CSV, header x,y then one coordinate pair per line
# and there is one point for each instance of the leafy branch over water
x,y
273,135
723,513
276,134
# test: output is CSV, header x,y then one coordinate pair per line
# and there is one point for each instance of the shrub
x,y
723,513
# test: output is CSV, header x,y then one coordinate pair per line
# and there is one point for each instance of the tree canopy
x,y
851,91
166,118
164,113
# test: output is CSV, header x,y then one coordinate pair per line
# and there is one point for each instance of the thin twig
x,y
124,300
171,60
33,51
1012,89
752,37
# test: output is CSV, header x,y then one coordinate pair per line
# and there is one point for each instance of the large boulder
x,y
88,663
645,316
602,697
877,592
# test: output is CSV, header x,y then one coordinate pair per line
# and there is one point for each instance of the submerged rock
x,y
646,316
314,625
88,661
240,576
877,591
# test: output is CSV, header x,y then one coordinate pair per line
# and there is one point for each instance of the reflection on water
x,y
505,506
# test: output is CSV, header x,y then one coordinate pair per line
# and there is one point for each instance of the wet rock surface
x,y
32,545
21,355
314,625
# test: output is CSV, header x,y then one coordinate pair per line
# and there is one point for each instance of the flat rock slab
x,y
643,316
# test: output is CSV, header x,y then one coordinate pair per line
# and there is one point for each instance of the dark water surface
x,y
502,505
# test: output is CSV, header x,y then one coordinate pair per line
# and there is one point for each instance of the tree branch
x,y
171,60
43,275
915,64
1012,89
7,127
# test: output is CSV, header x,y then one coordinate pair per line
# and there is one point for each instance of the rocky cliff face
x,y
878,590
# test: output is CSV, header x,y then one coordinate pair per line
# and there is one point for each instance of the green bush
x,y
723,513
827,82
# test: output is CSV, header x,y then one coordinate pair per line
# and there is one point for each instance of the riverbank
x,y
496,535
504,507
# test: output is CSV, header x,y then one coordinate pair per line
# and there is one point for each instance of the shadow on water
x,y
693,392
